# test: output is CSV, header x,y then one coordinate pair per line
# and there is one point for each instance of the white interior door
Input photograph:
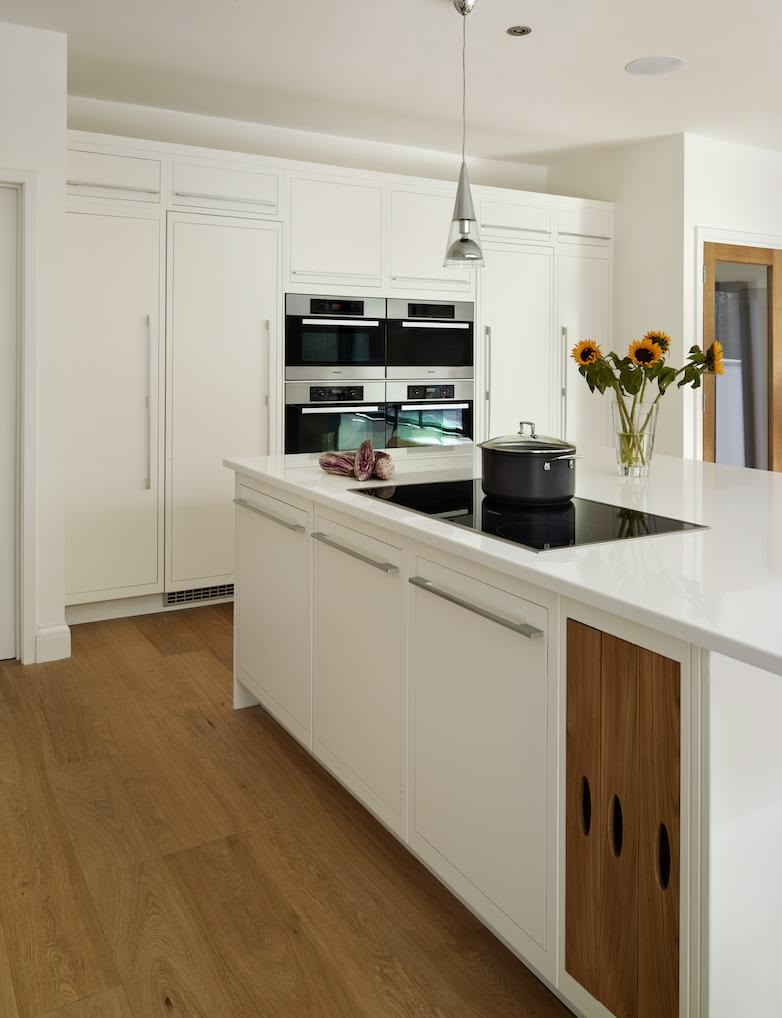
x,y
223,298
9,286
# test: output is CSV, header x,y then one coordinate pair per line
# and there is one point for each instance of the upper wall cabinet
x,y
512,221
336,232
579,226
419,231
201,186
102,175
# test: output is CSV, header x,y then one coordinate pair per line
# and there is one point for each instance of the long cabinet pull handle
x,y
148,401
565,344
113,187
222,197
487,380
297,528
350,275
531,632
385,567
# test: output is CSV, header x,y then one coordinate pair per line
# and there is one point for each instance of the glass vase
x,y
635,424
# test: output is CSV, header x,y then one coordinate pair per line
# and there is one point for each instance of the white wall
x,y
32,138
646,180
260,139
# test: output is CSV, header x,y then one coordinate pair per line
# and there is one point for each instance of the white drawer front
x,y
96,174
198,186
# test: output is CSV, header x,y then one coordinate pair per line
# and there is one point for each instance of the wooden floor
x,y
163,855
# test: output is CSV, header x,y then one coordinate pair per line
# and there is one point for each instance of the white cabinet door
x,y
113,476
516,308
419,231
223,299
584,312
336,232
272,607
358,676
480,752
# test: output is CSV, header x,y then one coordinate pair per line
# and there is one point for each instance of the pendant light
x,y
464,242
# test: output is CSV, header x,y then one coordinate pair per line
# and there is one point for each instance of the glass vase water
x,y
635,424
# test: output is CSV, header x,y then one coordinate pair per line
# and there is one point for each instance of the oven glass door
x,y
435,423
334,342
334,428
423,344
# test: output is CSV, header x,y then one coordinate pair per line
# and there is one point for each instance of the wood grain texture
x,y
162,856
583,848
658,907
618,912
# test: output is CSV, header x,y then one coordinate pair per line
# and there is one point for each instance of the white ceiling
x,y
389,69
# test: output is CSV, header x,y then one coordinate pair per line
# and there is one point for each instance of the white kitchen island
x,y
583,743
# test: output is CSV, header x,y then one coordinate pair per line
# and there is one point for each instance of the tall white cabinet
x,y
223,300
113,438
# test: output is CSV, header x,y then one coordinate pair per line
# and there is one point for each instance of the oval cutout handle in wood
x,y
616,826
663,857
586,807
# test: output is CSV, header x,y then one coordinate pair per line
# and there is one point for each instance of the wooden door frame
x,y
713,252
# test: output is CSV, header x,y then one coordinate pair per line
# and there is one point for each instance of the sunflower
x,y
714,357
586,352
644,352
659,338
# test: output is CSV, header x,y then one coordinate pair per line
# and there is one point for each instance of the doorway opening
x,y
9,355
742,308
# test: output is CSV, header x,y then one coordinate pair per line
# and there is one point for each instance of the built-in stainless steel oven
x,y
429,339
334,337
334,416
424,412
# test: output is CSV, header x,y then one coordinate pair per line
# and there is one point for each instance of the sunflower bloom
x,y
714,358
586,352
644,352
659,338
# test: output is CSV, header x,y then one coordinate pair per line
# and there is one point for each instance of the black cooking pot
x,y
528,469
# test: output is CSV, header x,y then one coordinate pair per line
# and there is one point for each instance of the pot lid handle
x,y
523,425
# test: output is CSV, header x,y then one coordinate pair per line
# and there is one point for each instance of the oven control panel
x,y
430,391
335,393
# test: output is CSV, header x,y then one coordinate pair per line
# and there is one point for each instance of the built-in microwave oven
x,y
334,416
424,412
429,339
334,337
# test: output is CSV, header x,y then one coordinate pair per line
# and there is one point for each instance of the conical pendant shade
x,y
464,242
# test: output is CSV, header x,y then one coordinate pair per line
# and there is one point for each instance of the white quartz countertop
x,y
719,588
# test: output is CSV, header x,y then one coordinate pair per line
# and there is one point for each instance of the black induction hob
x,y
539,528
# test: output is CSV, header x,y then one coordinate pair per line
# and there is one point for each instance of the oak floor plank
x,y
170,633
8,1008
56,951
110,1004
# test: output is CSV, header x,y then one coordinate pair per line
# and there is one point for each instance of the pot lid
x,y
527,442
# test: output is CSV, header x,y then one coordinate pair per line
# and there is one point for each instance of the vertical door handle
x,y
148,401
266,383
487,380
564,333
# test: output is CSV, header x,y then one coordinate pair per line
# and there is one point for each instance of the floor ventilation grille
x,y
199,594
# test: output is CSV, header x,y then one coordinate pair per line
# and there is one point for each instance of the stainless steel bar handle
x,y
297,528
318,272
148,401
353,323
113,187
340,408
487,380
522,628
385,567
435,406
220,197
266,381
564,333
435,325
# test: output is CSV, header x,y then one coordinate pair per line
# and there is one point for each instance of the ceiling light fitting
x,y
654,65
464,242
519,30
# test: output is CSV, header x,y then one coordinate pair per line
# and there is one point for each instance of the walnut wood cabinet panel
x,y
622,824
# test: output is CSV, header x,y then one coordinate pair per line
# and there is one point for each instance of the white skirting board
x,y
52,643
125,607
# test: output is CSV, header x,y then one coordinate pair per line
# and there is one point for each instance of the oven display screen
x,y
430,392
431,311
324,306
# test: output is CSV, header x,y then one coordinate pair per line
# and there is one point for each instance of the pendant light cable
x,y
464,83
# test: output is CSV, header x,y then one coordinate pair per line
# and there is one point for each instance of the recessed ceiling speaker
x,y
519,30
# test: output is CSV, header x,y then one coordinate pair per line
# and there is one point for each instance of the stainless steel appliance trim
x,y
297,528
426,405
354,323
531,632
398,307
148,400
113,187
298,393
385,567
397,392
426,324
299,304
222,197
347,374
339,408
430,373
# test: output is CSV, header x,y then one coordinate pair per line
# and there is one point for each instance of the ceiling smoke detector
x,y
519,30
654,65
